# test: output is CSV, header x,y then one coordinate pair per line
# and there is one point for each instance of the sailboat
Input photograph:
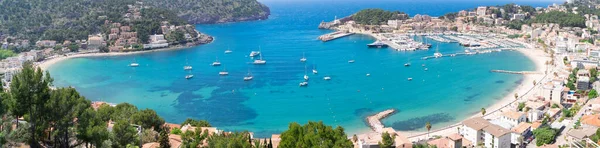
x,y
187,65
303,59
248,77
437,53
327,78
255,53
315,70
228,51
260,61
223,72
305,75
189,76
216,62
134,64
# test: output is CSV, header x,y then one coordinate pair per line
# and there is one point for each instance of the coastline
x,y
495,110
537,56
46,63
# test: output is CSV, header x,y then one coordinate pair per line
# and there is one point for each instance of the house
x,y
174,140
95,41
553,91
125,28
371,140
521,132
583,63
481,11
536,110
45,43
496,136
583,83
581,133
452,141
513,117
570,97
590,120
157,39
518,16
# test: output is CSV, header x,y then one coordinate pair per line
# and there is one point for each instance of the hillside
x,y
62,20
214,11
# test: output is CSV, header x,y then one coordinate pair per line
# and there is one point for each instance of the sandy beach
x,y
44,65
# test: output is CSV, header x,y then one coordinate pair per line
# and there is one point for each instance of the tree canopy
x,y
544,135
314,134
377,16
564,19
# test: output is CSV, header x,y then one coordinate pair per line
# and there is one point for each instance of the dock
x,y
375,120
334,35
515,72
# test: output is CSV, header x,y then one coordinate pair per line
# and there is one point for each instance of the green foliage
x,y
6,53
314,134
517,24
196,123
592,94
450,16
176,131
555,106
236,139
65,104
163,139
91,129
515,36
124,111
29,94
210,11
191,139
521,106
125,134
377,16
593,74
544,135
564,19
387,141
148,118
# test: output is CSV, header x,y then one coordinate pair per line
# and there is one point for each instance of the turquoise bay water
x,y
451,90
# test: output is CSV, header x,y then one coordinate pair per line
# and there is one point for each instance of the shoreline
x,y
537,56
47,63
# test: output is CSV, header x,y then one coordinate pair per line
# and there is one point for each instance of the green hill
x,y
214,11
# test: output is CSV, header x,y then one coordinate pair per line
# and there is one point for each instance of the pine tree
x,y
163,139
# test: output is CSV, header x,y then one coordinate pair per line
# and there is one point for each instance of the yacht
x,y
228,51
350,61
304,83
248,77
368,74
315,70
216,63
254,53
134,64
407,64
224,72
409,79
305,75
259,61
189,76
437,53
187,65
377,44
303,59
426,69
326,78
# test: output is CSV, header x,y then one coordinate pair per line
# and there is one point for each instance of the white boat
x,y
326,78
249,76
228,51
259,61
407,64
303,59
422,65
189,76
437,55
368,74
254,53
350,61
305,77
216,62
187,67
426,69
409,79
134,64
315,70
224,72
304,83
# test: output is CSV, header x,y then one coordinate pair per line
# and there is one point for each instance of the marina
x,y
334,35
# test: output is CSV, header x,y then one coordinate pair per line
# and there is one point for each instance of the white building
x,y
514,117
481,11
480,131
518,16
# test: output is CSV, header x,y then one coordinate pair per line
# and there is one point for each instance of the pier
x,y
334,35
375,120
515,72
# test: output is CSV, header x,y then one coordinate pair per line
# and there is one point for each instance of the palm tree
x,y
483,111
428,126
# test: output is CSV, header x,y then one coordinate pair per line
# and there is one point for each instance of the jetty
x,y
515,72
375,120
334,35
